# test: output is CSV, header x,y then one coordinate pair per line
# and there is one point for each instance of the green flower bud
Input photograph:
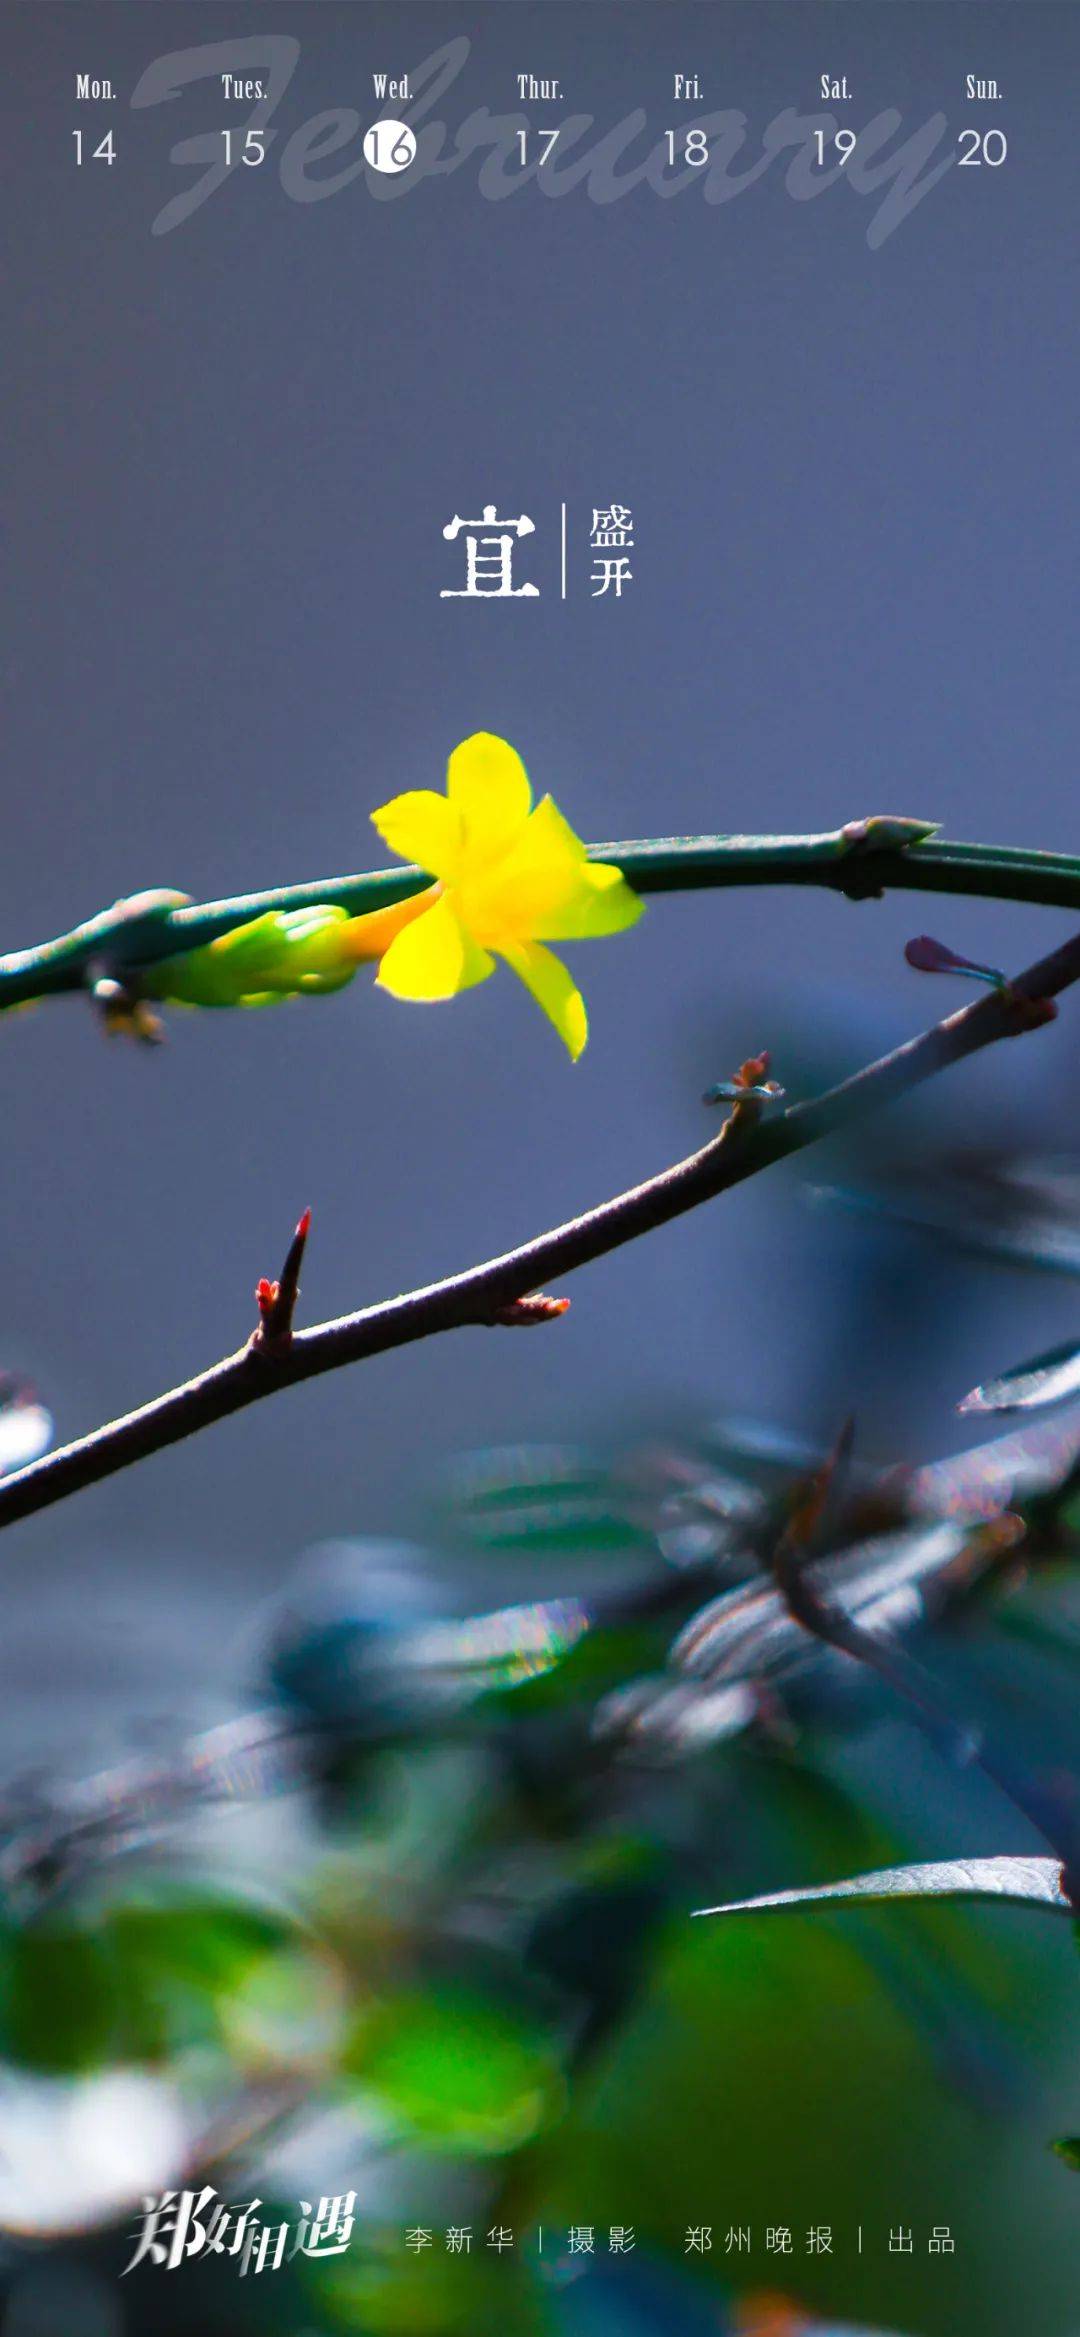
x,y
281,955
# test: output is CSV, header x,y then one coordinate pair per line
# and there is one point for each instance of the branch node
x,y
156,902
1027,1014
122,1009
522,1314
884,833
863,841
748,1093
276,1301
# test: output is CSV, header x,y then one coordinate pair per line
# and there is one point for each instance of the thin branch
x,y
861,860
746,1144
960,1742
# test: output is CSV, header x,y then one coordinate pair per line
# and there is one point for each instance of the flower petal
x,y
370,935
424,827
551,831
488,785
602,903
549,890
434,957
553,988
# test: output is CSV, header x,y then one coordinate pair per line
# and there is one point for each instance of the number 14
x,y
106,152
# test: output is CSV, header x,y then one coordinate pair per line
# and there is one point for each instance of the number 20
x,y
979,149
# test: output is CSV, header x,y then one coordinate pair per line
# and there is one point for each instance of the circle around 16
x,y
389,146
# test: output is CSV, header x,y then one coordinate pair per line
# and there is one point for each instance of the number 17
x,y
547,141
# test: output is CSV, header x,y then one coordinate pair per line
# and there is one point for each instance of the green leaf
x,y
1032,1882
381,2289
136,1978
467,2075
181,1956
61,2000
1049,1379
539,1497
1068,2149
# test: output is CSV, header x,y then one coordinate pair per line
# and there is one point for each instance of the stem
x,y
958,1741
745,1145
157,926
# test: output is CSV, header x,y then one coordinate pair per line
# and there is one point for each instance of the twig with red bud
x,y
476,1295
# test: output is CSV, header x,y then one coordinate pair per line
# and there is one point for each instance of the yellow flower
x,y
509,879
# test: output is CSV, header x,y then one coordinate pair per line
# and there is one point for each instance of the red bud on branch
x,y
750,1088
276,1301
522,1313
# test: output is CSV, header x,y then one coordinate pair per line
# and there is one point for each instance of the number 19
x,y
844,142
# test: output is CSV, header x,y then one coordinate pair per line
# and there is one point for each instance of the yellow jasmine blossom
x,y
510,877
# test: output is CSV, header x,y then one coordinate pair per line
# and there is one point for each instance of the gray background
x,y
231,453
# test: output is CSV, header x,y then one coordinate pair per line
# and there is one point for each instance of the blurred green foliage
x,y
460,1934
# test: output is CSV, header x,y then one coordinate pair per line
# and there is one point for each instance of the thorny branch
x,y
483,1294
